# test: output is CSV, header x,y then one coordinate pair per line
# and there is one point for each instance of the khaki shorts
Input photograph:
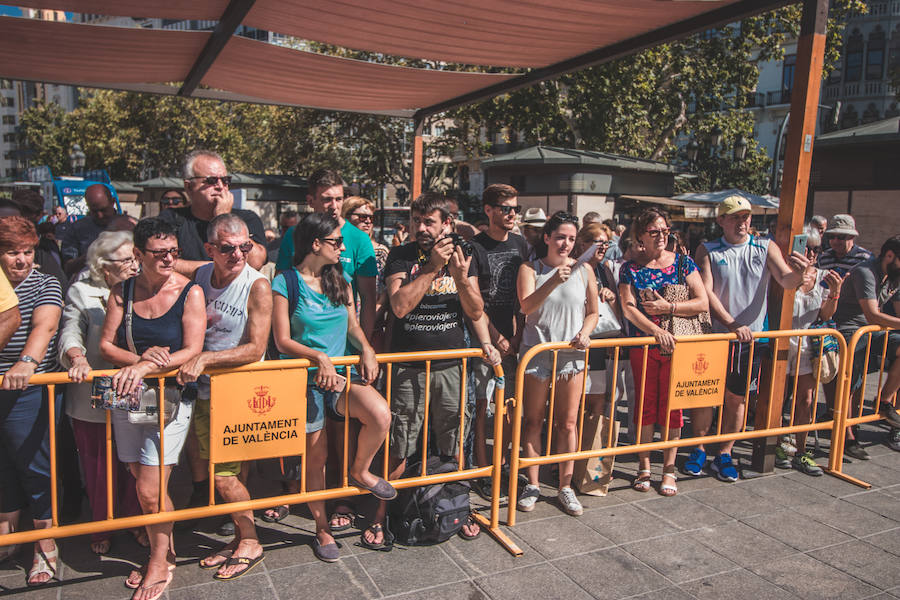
x,y
201,430
408,410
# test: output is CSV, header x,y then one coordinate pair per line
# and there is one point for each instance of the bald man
x,y
80,234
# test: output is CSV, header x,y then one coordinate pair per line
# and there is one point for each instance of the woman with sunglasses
x,y
641,281
318,328
558,297
168,323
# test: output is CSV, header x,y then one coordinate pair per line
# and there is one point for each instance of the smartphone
x,y
647,295
799,243
341,383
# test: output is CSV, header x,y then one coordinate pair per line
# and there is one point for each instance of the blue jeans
x,y
25,450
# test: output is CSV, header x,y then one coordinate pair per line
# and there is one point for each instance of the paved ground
x,y
781,536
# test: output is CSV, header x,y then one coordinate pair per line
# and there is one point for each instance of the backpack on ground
x,y
430,514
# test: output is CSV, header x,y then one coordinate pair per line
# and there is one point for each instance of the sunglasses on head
x,y
565,217
229,248
213,179
506,208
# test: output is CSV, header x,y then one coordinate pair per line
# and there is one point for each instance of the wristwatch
x,y
27,359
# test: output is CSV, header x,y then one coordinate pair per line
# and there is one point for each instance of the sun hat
x,y
534,217
842,225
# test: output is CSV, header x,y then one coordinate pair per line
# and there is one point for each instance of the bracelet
x,y
674,306
834,297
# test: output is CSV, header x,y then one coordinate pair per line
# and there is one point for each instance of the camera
x,y
459,241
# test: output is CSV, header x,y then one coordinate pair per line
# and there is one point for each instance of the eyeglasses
x,y
171,199
363,216
121,261
161,254
842,238
506,208
337,242
657,232
213,179
229,248
602,242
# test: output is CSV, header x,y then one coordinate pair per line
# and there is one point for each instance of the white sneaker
x,y
569,502
528,498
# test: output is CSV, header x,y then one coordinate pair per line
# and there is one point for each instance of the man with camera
x,y
432,285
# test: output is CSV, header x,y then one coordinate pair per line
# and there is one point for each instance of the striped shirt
x,y
829,261
35,290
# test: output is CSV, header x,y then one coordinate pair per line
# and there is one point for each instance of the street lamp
x,y
76,159
715,136
740,148
692,150
714,139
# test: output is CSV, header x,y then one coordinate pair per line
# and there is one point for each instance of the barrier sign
x,y
257,415
698,374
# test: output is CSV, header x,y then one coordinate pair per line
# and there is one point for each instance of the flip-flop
x,y
281,514
381,490
462,534
387,538
224,552
239,560
142,571
164,582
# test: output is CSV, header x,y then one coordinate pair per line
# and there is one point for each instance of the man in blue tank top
x,y
736,269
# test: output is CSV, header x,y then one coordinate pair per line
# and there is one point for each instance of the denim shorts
x,y
320,404
568,363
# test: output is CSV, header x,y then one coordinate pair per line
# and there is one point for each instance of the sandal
x,y
225,553
239,560
342,514
280,513
470,520
642,481
133,584
163,582
44,563
668,489
387,538
101,547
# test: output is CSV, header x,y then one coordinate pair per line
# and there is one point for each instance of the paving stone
x,y
871,472
784,491
669,593
679,557
886,540
539,581
626,523
95,579
13,585
796,530
345,578
408,570
561,536
865,561
611,573
847,517
809,578
735,501
254,586
683,511
741,543
464,590
484,555
826,483
878,502
735,585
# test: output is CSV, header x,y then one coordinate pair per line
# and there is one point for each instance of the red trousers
x,y
90,439
656,388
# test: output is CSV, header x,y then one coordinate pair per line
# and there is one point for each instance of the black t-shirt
x,y
192,231
437,322
498,267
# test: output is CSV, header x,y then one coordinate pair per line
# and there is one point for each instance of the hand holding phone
x,y
799,243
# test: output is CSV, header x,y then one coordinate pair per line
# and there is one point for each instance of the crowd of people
x,y
202,286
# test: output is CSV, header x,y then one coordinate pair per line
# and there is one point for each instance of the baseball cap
x,y
534,217
842,225
734,204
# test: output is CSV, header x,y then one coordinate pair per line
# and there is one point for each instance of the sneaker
x,y
695,462
528,498
782,460
787,444
724,468
854,450
805,464
894,439
569,502
890,414
226,527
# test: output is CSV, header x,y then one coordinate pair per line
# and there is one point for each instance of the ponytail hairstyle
x,y
317,226
558,218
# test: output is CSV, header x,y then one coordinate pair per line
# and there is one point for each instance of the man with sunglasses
x,y
207,184
498,254
736,269
82,233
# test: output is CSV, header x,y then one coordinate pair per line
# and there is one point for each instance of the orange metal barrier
x,y
518,462
111,523
853,410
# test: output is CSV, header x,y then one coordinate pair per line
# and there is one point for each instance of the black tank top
x,y
162,331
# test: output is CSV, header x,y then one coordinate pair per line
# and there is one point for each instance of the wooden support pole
x,y
418,167
792,212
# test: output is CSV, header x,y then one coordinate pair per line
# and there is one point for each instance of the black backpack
x,y
430,514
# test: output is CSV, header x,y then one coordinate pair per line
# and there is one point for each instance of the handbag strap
x,y
679,264
128,289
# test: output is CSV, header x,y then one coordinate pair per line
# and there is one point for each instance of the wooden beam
x,y
231,19
710,20
792,211
418,166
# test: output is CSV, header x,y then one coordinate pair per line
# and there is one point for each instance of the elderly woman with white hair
x,y
110,259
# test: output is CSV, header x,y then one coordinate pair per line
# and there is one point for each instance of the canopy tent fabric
x,y
548,37
767,202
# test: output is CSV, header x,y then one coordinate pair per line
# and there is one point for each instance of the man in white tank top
x,y
238,317
736,269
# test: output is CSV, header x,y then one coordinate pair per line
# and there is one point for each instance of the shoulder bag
x,y
700,324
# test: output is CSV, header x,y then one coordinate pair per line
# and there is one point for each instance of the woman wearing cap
x,y
559,299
